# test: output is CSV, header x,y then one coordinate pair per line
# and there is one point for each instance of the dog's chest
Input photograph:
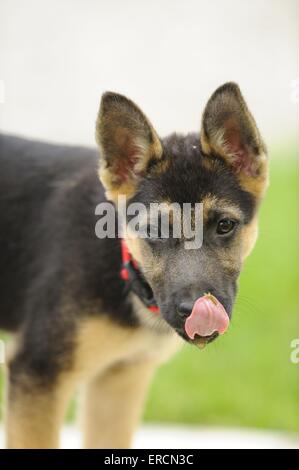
x,y
101,342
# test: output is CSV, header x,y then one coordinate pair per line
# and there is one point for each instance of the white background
x,y
58,56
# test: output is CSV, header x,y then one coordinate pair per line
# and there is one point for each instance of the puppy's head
x,y
224,167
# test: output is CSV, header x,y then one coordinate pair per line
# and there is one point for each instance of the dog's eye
x,y
225,226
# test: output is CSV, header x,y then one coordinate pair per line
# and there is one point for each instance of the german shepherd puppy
x,y
61,292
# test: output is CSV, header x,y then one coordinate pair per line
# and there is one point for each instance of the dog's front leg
x,y
113,404
41,380
35,412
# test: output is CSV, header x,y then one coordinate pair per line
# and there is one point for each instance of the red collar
x,y
135,281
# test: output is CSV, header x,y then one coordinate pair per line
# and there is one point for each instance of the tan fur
x,y
153,267
161,166
101,343
256,185
35,415
205,145
112,190
259,184
249,237
226,120
211,202
232,258
118,363
118,360
121,126
128,188
113,403
207,162
135,246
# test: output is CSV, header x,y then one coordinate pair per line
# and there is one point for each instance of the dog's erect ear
x,y
229,131
128,144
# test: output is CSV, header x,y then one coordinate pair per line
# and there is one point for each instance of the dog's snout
x,y
185,308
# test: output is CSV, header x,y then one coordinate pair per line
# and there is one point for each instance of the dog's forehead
x,y
189,176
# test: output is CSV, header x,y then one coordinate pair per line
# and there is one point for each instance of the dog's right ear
x,y
128,144
229,131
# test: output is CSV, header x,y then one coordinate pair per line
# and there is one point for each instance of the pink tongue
x,y
207,316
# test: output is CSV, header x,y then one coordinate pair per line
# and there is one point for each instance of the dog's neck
x,y
135,281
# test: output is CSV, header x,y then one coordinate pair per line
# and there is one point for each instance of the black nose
x,y
185,308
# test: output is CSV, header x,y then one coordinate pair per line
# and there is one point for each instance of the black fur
x,y
53,268
49,252
188,180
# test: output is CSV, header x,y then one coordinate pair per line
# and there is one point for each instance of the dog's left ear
x,y
229,131
128,145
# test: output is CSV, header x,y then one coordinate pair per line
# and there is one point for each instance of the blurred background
x,y
56,59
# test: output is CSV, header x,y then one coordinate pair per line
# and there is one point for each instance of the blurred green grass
x,y
246,377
